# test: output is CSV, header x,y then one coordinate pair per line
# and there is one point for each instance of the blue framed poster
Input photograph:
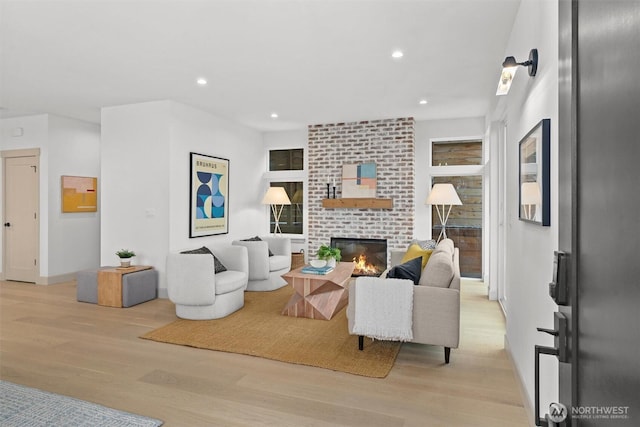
x,y
209,196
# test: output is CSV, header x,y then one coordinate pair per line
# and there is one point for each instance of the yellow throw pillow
x,y
415,251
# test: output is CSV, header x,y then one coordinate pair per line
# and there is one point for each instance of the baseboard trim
x,y
528,405
48,280
53,280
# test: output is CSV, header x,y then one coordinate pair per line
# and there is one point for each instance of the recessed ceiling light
x,y
423,102
202,81
274,115
397,54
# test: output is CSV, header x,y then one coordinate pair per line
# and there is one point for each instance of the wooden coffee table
x,y
318,296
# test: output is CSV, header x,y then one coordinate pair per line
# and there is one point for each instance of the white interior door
x,y
21,218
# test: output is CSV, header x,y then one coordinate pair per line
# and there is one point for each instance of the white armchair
x,y
265,272
200,294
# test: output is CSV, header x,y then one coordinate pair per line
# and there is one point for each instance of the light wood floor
x,y
50,341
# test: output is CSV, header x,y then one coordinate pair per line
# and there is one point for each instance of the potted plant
x,y
125,256
330,254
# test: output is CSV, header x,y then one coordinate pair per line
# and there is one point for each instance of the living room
x,y
140,152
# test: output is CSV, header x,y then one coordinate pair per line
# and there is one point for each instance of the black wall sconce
x,y
509,67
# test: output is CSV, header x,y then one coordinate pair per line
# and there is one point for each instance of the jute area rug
x,y
25,406
258,329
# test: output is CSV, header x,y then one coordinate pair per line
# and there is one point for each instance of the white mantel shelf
x,y
358,203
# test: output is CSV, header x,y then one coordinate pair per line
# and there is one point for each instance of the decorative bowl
x,y
318,263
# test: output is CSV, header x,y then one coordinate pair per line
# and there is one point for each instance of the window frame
x,y
288,176
463,170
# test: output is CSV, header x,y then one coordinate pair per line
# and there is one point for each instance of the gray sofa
x,y
436,301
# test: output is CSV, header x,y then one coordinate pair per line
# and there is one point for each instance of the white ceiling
x,y
321,61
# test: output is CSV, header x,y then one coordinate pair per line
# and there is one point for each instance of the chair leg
x,y
447,353
360,342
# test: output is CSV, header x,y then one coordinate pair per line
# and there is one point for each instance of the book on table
x,y
315,270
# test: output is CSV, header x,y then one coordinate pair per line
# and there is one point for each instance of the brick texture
x,y
390,144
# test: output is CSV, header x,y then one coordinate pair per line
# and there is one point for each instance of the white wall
x,y
135,196
145,179
67,147
74,149
195,131
529,247
298,138
427,130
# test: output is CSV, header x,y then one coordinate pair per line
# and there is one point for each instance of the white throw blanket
x,y
384,308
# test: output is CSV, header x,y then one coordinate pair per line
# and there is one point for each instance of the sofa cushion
x,y
257,239
279,262
416,251
439,270
229,281
218,267
409,270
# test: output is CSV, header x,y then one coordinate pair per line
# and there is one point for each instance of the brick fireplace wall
x,y
390,144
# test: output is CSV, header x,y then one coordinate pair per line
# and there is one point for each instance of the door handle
x,y
559,350
540,349
7,224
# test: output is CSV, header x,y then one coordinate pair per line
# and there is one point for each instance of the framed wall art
x,y
209,195
79,193
359,180
534,187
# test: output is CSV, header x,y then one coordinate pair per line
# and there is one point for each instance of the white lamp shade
x,y
443,194
276,196
530,194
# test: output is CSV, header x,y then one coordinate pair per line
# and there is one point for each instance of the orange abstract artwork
x,y
79,194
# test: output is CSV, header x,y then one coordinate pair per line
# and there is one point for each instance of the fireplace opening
x,y
369,255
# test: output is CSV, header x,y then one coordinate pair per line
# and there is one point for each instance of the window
x,y
286,169
286,160
455,153
459,162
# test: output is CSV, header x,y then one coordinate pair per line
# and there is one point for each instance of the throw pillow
x,y
424,244
416,251
409,270
257,239
218,267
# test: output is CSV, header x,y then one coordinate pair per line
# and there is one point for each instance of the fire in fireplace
x,y
368,255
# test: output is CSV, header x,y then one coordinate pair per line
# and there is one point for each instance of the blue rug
x,y
29,407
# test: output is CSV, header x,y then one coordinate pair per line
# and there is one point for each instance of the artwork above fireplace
x,y
369,255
